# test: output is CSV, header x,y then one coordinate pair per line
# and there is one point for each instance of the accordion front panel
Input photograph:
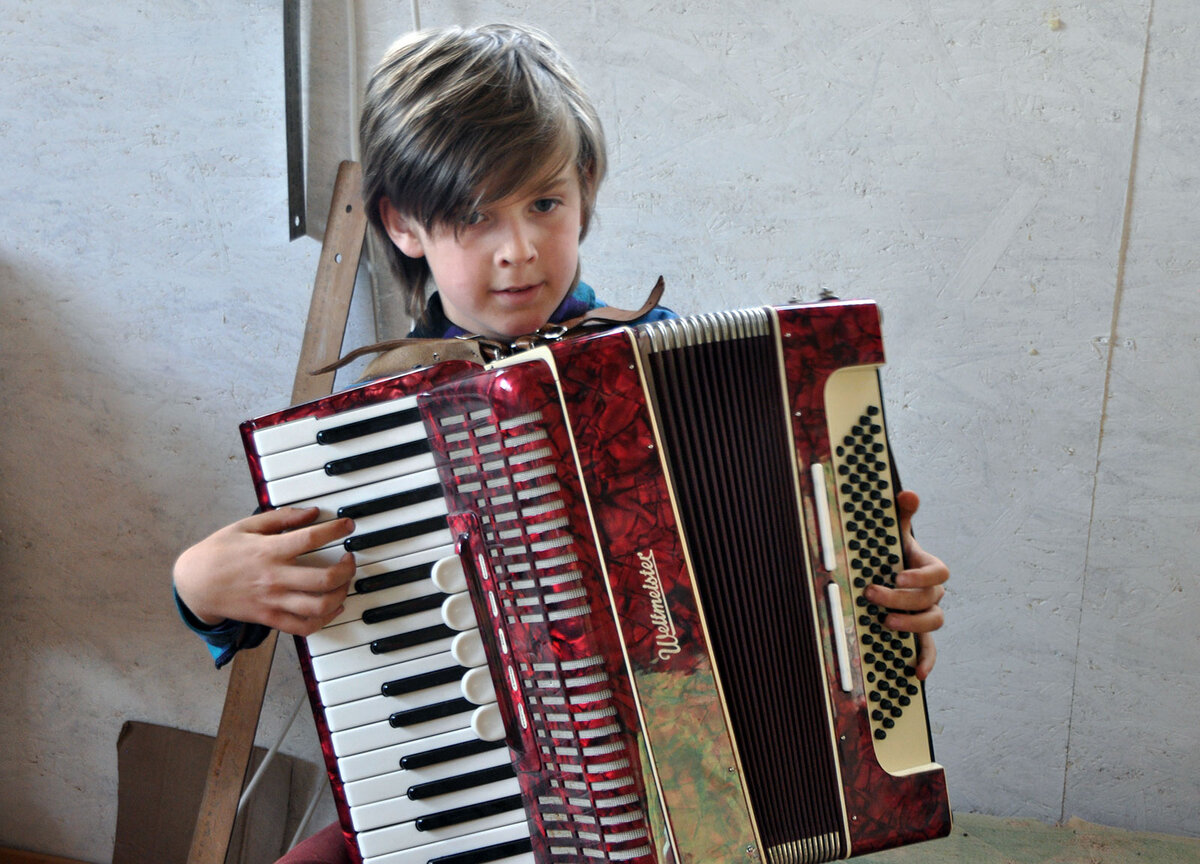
x,y
516,502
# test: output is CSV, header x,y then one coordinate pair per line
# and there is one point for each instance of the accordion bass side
x,y
666,533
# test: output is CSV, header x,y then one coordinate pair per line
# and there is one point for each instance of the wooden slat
x,y
250,670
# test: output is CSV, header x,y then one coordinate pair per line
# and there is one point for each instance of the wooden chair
x,y
250,670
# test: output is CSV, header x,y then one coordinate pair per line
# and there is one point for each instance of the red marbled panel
x,y
477,406
883,810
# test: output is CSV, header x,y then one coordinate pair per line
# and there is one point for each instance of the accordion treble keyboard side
x,y
363,450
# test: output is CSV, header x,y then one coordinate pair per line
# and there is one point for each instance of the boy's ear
x,y
400,229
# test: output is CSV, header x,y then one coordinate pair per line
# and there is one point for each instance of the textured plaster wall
x,y
1016,184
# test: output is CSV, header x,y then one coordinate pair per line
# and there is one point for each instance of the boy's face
x,y
505,270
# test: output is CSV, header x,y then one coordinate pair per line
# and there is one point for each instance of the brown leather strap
x,y
401,355
610,315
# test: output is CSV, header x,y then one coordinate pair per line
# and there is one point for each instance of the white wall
x,y
1019,195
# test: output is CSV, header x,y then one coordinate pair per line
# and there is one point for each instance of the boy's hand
x,y
248,571
918,591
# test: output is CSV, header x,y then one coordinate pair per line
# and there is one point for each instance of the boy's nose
x,y
518,246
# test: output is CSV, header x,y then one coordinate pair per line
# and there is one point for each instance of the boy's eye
x,y
545,205
473,218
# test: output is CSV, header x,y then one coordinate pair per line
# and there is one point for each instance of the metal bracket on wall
x,y
293,119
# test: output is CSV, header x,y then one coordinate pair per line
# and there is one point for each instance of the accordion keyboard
x,y
401,736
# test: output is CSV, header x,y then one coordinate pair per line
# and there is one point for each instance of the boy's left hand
x,y
919,589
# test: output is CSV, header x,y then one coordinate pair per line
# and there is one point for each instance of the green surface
x,y
994,840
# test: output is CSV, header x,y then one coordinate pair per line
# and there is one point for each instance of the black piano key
x,y
390,611
393,578
397,532
413,683
414,637
436,756
359,428
391,502
487,853
372,458
413,716
459,782
465,814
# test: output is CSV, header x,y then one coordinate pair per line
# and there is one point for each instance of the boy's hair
x,y
457,119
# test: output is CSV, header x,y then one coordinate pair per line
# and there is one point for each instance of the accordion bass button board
x,y
665,533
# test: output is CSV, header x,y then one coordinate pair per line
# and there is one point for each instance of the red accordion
x,y
663,533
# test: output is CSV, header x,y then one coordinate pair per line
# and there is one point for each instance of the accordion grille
x,y
589,800
717,398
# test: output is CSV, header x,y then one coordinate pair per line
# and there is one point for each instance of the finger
x,y
318,580
926,655
318,608
924,573
924,621
297,625
278,521
905,599
907,504
315,537
328,532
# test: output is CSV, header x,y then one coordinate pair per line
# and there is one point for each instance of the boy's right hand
x,y
248,571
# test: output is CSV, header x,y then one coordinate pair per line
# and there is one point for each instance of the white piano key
x,y
400,516
491,837
449,576
476,686
487,722
401,562
357,604
366,684
299,433
387,759
458,613
360,658
329,504
467,649
403,809
375,708
412,546
396,783
376,736
310,457
357,633
313,484
406,835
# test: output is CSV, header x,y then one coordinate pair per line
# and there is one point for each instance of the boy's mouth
x,y
517,290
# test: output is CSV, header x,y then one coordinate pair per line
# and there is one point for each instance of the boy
x,y
482,157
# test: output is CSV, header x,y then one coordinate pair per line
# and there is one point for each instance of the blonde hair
x,y
455,119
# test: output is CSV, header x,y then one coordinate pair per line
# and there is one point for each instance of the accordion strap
x,y
401,355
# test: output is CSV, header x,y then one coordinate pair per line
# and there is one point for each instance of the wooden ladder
x,y
250,670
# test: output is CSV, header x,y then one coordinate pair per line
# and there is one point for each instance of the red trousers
x,y
327,846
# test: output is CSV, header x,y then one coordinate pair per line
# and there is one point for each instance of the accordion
x,y
609,600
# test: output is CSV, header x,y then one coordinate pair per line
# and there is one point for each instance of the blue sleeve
x,y
658,313
224,639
